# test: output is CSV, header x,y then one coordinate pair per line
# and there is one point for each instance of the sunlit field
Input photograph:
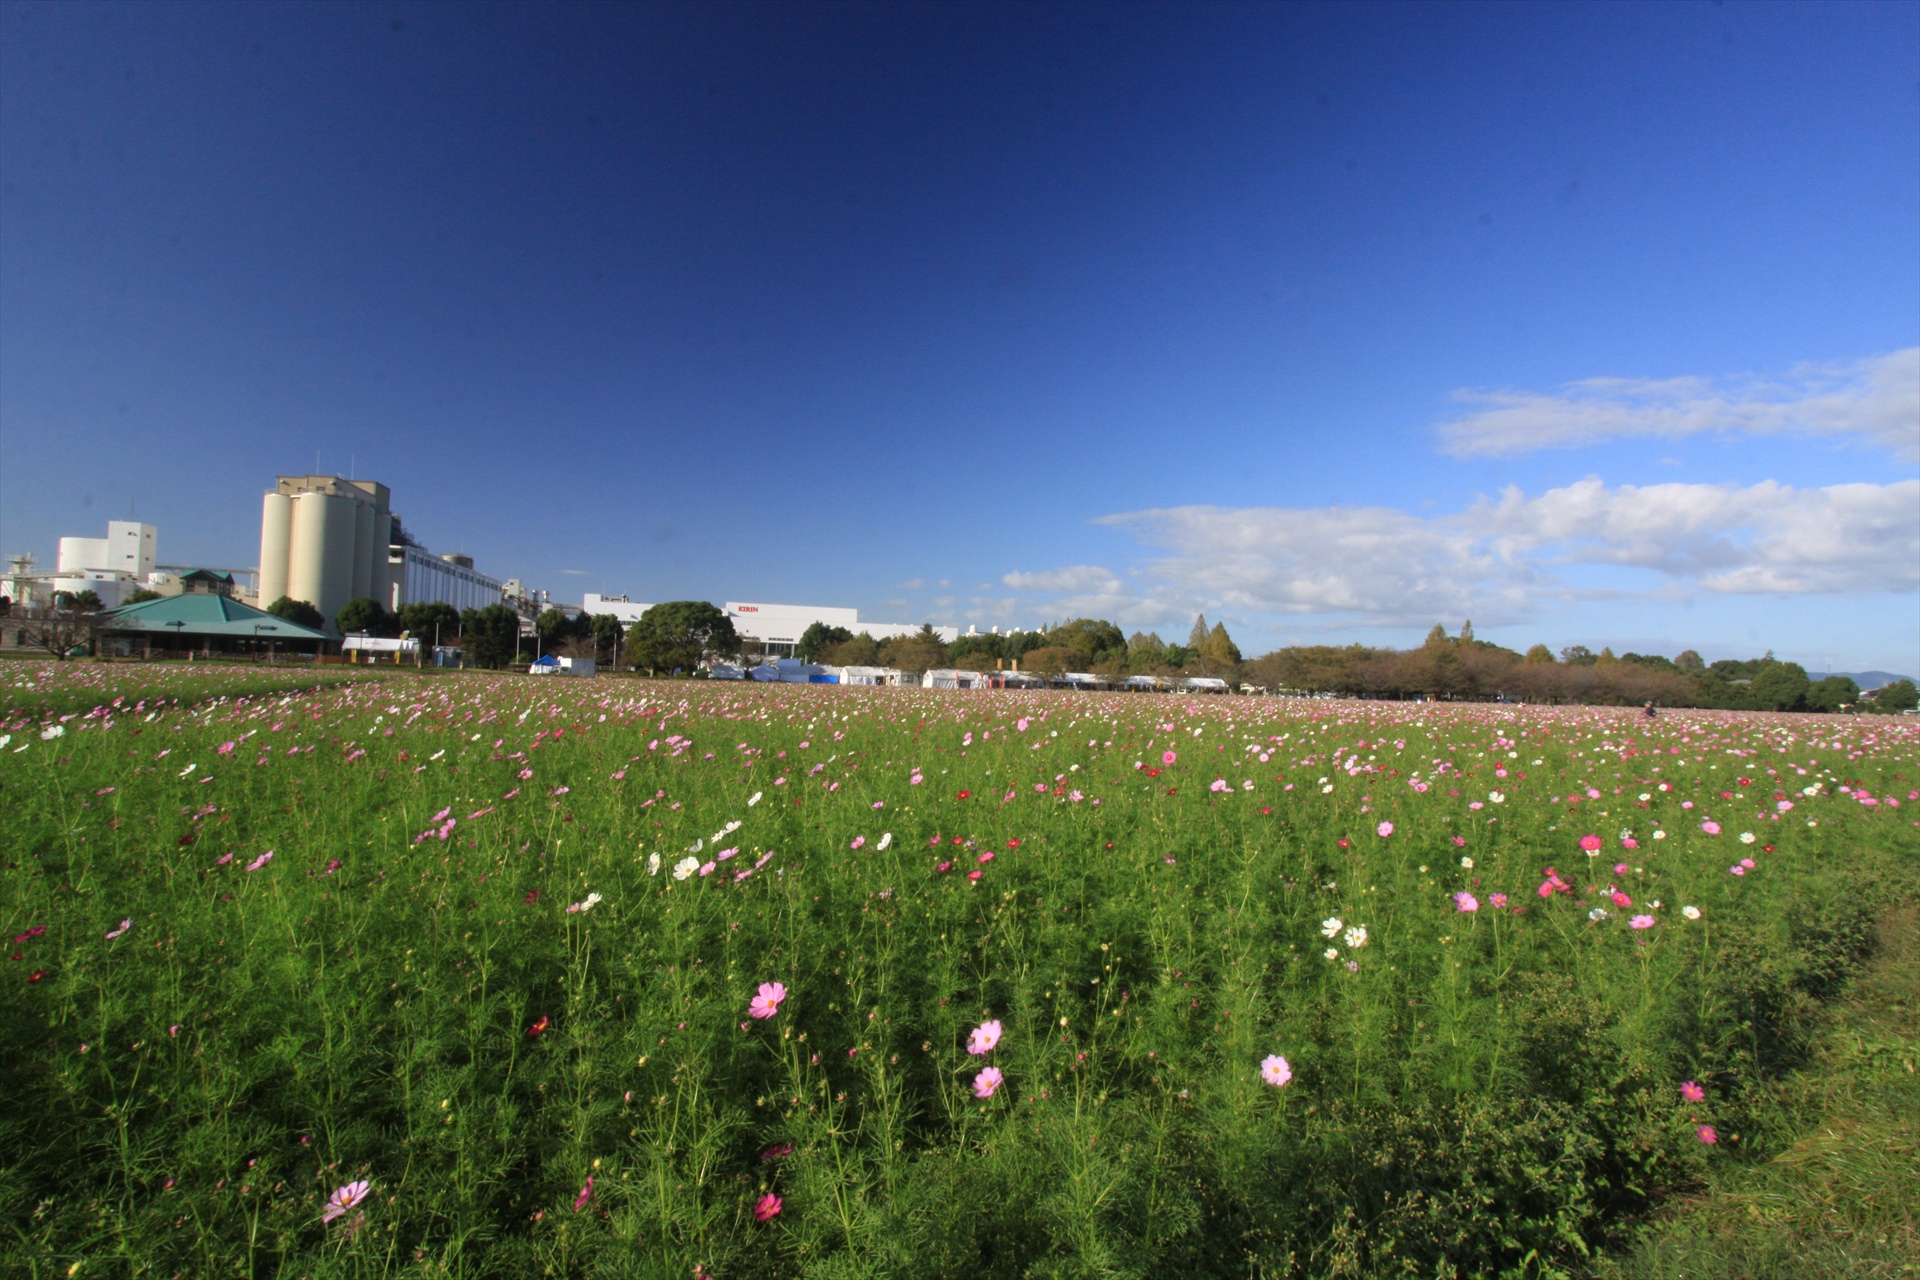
x,y
493,975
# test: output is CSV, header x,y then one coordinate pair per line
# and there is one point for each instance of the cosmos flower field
x,y
498,976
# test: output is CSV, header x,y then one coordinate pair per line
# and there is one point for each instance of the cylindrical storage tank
x,y
276,530
363,515
320,557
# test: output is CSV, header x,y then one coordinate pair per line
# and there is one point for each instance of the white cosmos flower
x,y
1659,835
886,838
1746,837
53,731
1331,926
754,799
1646,796
1467,863
685,867
696,846
5,738
1497,797
1331,953
1356,937
1324,790
653,864
1691,913
1598,913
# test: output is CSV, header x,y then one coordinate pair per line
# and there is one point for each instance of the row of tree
x,y
1462,667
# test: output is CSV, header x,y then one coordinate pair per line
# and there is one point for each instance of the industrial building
x,y
420,577
774,628
325,540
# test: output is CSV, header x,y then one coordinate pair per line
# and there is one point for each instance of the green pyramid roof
x,y
197,614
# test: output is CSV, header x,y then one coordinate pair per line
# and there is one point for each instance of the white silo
x,y
276,530
363,522
320,554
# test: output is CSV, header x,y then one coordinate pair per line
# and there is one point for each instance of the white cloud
x,y
1877,399
1505,558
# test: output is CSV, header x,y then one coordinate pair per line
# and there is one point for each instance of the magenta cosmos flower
x,y
1275,1071
767,1002
984,1037
1692,1092
344,1199
987,1082
767,1209
1590,843
586,1194
1706,1134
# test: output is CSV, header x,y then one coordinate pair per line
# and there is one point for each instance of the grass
x,y
203,1043
1842,1200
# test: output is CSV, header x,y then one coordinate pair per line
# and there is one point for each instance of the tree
x,y
1466,633
680,635
606,631
63,629
1689,660
1578,655
1050,662
1197,638
1220,647
142,596
298,612
1901,695
421,619
363,613
921,651
976,652
1539,653
819,637
1835,693
1780,686
1436,636
1093,637
555,627
1149,641
490,636
86,600
860,651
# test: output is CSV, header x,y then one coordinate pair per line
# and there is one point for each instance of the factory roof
x,y
204,615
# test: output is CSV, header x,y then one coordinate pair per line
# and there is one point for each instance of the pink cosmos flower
x,y
1275,1071
984,1038
1692,1092
586,1194
1168,757
124,926
1499,901
767,1002
1590,843
344,1199
1711,827
1464,901
987,1082
1706,1134
767,1209
260,861
1384,830
1641,922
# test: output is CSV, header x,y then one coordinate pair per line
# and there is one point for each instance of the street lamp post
x,y
179,633
258,627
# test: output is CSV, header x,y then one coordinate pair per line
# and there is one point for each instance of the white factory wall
x,y
128,548
422,578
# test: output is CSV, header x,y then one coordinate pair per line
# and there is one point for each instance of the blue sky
x,y
1595,324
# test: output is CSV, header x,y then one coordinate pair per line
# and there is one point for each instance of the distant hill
x,y
1867,680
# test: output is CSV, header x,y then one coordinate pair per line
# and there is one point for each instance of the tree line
x,y
685,635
